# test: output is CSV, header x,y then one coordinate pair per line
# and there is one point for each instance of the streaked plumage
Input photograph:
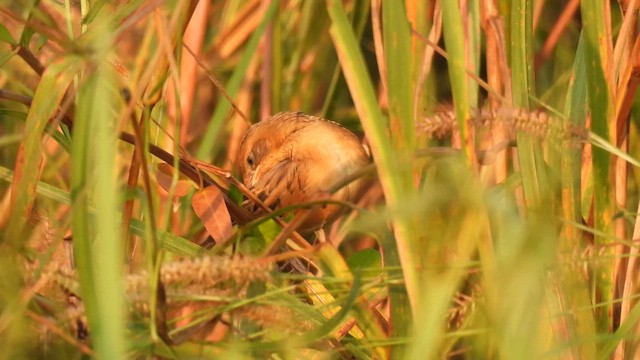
x,y
292,158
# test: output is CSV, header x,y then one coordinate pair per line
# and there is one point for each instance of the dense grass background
x,y
502,224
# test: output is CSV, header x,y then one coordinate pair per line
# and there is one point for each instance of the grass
x,y
501,224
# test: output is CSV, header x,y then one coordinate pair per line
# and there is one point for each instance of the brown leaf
x,y
209,205
164,176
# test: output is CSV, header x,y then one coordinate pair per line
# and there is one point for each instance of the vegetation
x,y
501,222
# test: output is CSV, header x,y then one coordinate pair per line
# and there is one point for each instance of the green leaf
x,y
367,259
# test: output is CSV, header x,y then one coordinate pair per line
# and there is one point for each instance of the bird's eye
x,y
250,160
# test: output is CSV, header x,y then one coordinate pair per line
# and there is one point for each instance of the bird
x,y
291,158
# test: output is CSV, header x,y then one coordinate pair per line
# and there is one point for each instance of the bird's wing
x,y
282,184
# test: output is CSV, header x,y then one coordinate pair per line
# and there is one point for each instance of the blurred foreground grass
x,y
502,223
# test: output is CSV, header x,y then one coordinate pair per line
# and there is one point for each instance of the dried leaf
x,y
209,205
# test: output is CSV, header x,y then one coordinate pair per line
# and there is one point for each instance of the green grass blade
x,y
522,288
98,247
530,155
374,124
521,48
455,44
48,96
602,112
399,60
583,325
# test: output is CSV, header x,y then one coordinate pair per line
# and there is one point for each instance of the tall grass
x,y
501,222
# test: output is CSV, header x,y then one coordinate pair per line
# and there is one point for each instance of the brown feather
x,y
291,158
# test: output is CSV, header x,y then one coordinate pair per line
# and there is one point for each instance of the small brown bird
x,y
291,158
